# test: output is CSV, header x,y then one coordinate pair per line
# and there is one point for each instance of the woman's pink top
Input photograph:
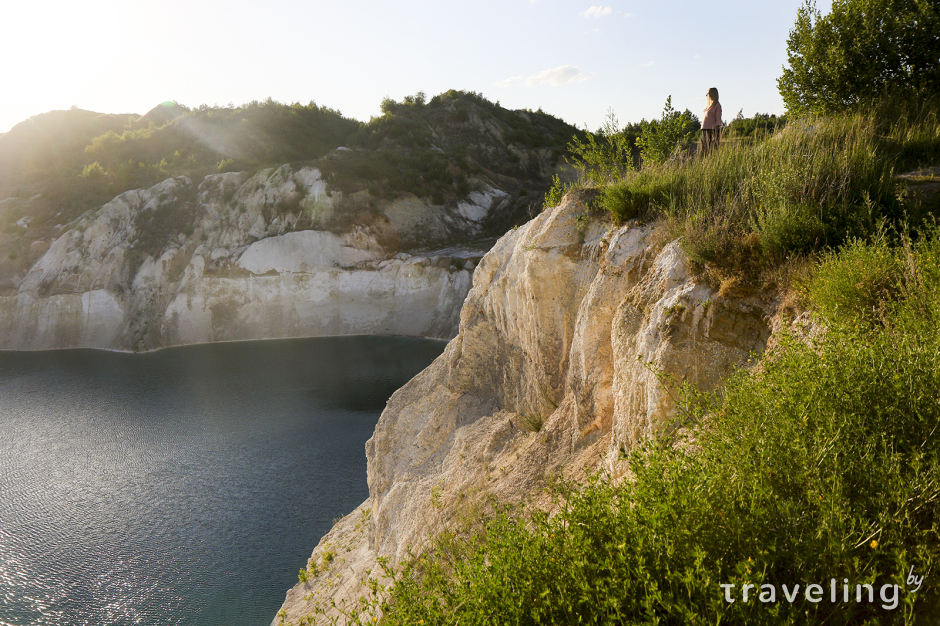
x,y
712,117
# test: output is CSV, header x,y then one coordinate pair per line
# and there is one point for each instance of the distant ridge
x,y
163,113
444,153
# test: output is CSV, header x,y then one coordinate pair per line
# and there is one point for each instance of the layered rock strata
x,y
237,257
565,340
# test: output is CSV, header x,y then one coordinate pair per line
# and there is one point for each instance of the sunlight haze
x,y
574,60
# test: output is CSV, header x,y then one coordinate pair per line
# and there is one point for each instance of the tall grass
x,y
813,185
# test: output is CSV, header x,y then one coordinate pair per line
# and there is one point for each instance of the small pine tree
x,y
659,138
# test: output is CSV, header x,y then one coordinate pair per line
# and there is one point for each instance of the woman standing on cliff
x,y
711,122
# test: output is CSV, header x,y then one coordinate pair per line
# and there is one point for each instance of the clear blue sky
x,y
573,59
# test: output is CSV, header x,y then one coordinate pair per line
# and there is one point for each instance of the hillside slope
x,y
338,244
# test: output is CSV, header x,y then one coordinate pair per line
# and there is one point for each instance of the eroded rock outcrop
x,y
273,255
554,370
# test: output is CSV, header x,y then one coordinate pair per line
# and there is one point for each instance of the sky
x,y
575,60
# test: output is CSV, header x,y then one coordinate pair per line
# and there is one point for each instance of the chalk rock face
x,y
479,204
402,298
238,257
554,369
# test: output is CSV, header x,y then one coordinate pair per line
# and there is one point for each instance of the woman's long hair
x,y
712,97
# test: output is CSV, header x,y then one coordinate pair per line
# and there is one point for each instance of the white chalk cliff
x,y
565,326
237,257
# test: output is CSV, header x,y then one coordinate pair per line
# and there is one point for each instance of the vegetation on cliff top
x,y
776,191
819,467
806,491
745,210
104,155
436,148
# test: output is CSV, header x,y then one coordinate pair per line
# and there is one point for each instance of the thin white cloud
x,y
597,11
696,56
648,64
557,77
509,82
628,14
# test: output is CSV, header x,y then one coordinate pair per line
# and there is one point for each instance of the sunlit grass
x,y
812,186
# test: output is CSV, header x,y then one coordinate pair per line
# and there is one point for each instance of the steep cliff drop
x,y
554,370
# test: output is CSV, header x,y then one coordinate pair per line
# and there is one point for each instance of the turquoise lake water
x,y
185,486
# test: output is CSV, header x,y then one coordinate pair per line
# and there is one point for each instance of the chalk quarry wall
x,y
237,257
563,325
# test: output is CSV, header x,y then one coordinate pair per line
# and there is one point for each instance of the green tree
x,y
93,170
659,138
860,50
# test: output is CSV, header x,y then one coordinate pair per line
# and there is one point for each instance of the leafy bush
x,y
862,49
820,467
555,194
93,170
857,281
788,228
603,157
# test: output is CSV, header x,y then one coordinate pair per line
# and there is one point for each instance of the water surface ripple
x,y
184,486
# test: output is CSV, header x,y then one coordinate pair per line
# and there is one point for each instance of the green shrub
x,y
819,467
788,228
660,138
555,193
857,281
532,422
225,165
93,170
641,195
603,157
462,185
